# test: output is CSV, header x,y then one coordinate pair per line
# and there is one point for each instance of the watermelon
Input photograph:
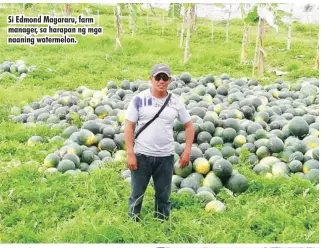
x,y
295,166
205,196
183,172
313,176
51,160
222,168
186,191
215,206
190,182
176,179
65,165
309,165
298,127
107,144
237,183
201,165
213,182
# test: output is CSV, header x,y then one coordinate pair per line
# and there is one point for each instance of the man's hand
x,y
184,159
131,162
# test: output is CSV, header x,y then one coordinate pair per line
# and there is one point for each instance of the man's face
x,y
160,81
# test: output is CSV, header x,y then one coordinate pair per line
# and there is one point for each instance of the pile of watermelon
x,y
276,126
14,70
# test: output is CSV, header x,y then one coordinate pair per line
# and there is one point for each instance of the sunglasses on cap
x,y
158,77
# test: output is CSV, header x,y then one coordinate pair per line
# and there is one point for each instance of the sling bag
x,y
158,113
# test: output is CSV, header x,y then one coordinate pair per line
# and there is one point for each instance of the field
x,y
93,208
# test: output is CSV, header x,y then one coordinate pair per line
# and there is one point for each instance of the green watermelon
x,y
237,183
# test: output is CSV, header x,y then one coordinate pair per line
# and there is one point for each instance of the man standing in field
x,y
152,155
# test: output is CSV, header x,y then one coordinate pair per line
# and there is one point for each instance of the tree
x,y
245,10
53,6
186,52
67,9
290,30
194,18
316,59
174,12
229,11
188,14
134,12
219,5
265,17
118,21
184,23
307,9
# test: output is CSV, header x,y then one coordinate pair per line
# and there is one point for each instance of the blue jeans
x,y
161,169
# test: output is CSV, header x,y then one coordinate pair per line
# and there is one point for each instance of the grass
x,y
92,209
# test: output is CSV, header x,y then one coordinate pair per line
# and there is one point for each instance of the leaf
x,y
268,16
220,5
175,10
135,10
283,13
252,16
188,5
122,6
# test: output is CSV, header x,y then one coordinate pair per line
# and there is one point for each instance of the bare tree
x,y
229,11
67,9
262,54
316,59
307,9
288,47
189,24
184,23
265,17
118,21
134,12
245,10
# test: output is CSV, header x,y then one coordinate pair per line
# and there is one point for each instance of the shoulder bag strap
x,y
158,113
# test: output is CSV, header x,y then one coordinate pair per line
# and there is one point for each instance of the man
x,y
153,152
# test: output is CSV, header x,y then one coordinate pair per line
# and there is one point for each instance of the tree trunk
x,y
183,30
67,9
163,24
118,43
134,28
261,48
130,21
212,36
98,17
173,16
316,59
310,38
244,40
228,23
147,21
195,20
288,47
186,53
115,18
23,11
256,45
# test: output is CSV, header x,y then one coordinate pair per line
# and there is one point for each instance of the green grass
x,y
92,209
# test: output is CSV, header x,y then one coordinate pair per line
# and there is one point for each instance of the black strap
x,y
158,113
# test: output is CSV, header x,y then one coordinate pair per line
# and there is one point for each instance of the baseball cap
x,y
161,68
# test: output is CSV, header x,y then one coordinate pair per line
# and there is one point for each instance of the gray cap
x,y
161,68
